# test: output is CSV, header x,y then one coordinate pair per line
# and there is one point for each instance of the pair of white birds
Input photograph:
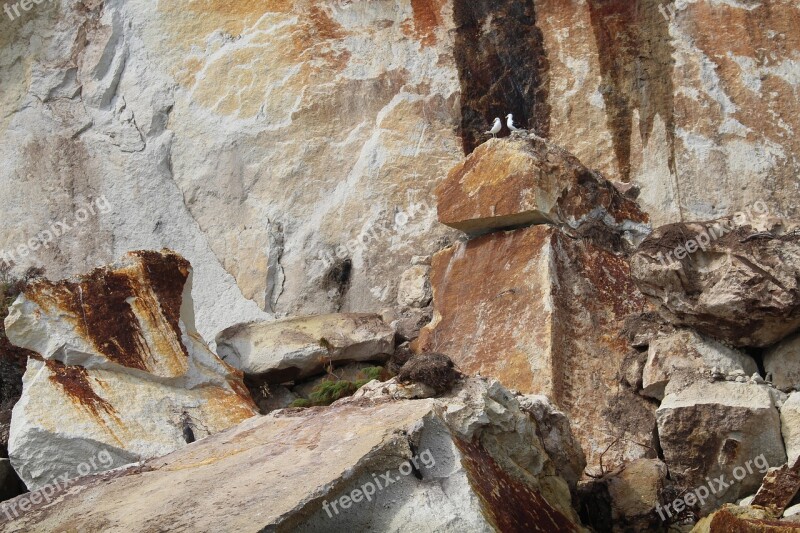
x,y
498,125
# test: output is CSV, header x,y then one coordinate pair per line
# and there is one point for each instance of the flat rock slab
x,y
296,348
525,180
290,470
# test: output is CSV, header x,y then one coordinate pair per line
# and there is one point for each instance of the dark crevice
x,y
502,67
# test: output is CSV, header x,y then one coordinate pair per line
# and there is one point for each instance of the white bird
x,y
496,127
510,123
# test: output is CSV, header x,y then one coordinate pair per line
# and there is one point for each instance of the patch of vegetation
x,y
333,388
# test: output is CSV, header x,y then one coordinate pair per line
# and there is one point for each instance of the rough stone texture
x,y
186,118
790,426
557,437
694,102
635,491
415,287
741,286
732,518
296,348
783,362
709,429
526,180
480,467
690,357
779,488
118,366
526,307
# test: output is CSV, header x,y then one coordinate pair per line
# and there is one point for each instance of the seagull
x,y
496,127
510,123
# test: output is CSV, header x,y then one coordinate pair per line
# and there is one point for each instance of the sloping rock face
x,y
241,133
727,279
295,348
119,367
526,180
526,307
470,461
723,430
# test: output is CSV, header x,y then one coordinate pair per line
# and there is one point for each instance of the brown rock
x,y
725,278
542,313
526,180
432,369
735,519
779,488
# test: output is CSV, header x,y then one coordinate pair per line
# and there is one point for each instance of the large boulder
x,y
470,461
723,431
526,180
543,313
790,426
735,279
295,348
687,356
119,367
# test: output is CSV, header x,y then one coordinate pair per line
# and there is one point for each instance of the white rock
x,y
688,356
296,348
415,287
790,426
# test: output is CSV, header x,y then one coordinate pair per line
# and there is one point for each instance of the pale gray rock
x,y
790,426
783,362
415,287
296,348
721,428
688,356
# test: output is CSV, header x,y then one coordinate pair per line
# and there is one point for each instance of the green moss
x,y
334,389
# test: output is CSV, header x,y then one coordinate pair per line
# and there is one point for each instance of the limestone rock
x,y
717,429
557,437
470,462
725,279
411,321
690,357
526,180
296,348
783,362
119,367
415,287
790,426
543,312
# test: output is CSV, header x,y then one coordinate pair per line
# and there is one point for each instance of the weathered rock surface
x,y
790,426
779,488
745,520
783,362
468,462
415,287
726,279
296,348
717,429
119,367
687,356
527,307
525,180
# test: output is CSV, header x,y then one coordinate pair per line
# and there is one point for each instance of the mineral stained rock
x,y
118,367
471,461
